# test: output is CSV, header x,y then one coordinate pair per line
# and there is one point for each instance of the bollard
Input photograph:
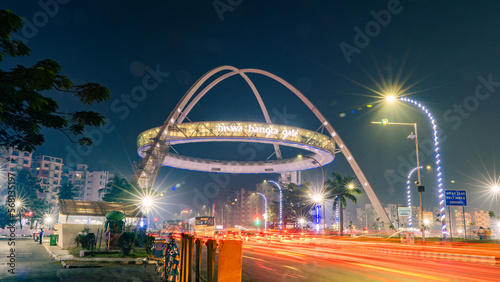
x,y
190,242
230,260
183,257
211,248
199,249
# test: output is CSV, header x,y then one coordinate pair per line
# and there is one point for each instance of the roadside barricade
x,y
228,257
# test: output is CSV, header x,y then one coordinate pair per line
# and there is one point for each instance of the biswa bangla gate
x,y
154,144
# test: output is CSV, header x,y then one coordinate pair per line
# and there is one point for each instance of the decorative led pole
x,y
442,209
408,190
322,186
281,202
420,188
265,211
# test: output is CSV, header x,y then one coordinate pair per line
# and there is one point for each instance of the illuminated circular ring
x,y
321,146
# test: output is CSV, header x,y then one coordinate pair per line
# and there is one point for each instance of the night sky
x,y
442,54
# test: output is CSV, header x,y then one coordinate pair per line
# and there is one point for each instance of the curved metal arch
x,y
347,153
202,93
150,163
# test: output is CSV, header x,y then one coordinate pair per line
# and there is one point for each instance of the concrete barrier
x,y
230,260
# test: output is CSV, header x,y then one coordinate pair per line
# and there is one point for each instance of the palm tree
x,y
117,189
341,188
66,191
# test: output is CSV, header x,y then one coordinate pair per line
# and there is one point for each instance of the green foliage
x,y
121,190
338,188
66,191
148,242
86,239
4,217
126,242
25,111
28,189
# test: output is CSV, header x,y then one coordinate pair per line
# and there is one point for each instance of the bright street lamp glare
x,y
390,98
317,198
147,201
302,221
495,188
48,219
350,186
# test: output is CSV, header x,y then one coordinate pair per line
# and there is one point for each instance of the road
x,y
33,263
293,262
278,261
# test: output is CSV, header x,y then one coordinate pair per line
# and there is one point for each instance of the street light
x,y
281,202
439,178
322,186
302,221
390,98
418,183
318,199
265,210
495,188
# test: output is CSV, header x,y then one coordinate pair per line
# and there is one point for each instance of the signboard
x,y
456,197
404,211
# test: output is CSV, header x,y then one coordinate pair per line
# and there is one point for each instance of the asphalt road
x,y
33,263
279,261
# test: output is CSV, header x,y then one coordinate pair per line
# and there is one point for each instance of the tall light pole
x,y
281,202
318,198
418,183
265,210
442,209
322,186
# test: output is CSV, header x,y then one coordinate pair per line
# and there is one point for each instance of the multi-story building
x,y
49,170
481,218
87,184
13,160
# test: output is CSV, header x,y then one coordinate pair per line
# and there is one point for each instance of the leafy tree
x,y
4,216
341,188
493,215
66,191
126,242
25,111
121,190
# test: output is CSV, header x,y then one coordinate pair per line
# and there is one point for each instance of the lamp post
x,y
322,186
146,204
418,183
265,210
281,202
318,199
442,209
302,221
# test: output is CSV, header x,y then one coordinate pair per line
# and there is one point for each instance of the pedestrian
x,y
481,232
41,235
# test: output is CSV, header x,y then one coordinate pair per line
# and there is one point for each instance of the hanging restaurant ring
x,y
321,146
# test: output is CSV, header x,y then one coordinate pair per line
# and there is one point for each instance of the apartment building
x,y
87,184
49,170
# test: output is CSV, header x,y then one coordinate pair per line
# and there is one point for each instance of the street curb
x,y
106,260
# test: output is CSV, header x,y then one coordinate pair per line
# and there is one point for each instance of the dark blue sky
x,y
441,50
